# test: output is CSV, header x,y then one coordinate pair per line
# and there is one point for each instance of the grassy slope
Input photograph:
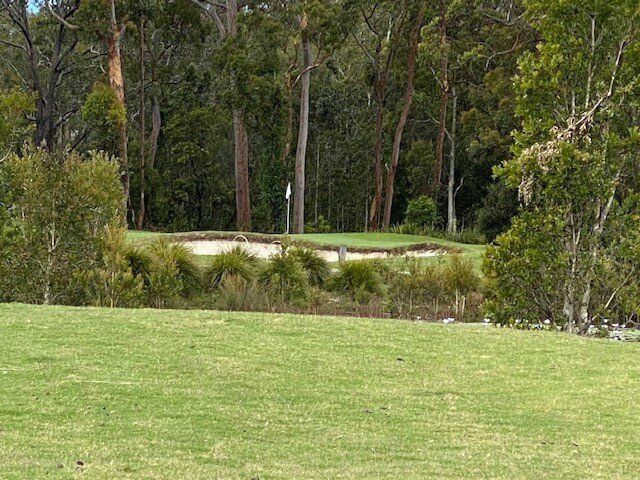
x,y
159,394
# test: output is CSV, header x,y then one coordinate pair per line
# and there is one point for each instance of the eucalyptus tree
x,y
225,17
414,36
316,29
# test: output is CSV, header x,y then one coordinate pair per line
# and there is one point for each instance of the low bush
x,y
140,261
174,273
360,280
468,236
285,278
312,263
321,226
460,280
114,283
422,212
236,262
416,288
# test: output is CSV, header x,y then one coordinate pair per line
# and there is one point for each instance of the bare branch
x,y
59,18
14,45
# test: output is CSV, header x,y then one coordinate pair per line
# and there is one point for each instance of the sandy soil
x,y
265,250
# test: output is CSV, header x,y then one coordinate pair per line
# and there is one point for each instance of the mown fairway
x,y
206,395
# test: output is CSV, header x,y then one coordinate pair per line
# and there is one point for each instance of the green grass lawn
x,y
367,240
206,395
139,235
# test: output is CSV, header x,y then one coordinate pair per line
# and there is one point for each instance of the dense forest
x,y
212,107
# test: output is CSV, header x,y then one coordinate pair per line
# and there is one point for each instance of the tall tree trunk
x,y
374,215
315,200
451,200
381,79
116,81
156,120
286,151
408,100
444,98
143,135
241,140
303,135
243,206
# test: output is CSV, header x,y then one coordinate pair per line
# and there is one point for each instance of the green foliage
x,y
570,165
416,288
285,278
460,280
14,128
321,226
140,261
237,262
422,212
524,271
312,263
113,283
165,286
102,111
498,207
358,279
61,207
435,289
174,273
460,277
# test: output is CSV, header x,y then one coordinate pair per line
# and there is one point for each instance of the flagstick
x,y
288,197
288,209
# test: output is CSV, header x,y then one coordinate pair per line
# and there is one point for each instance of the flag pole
x,y
288,195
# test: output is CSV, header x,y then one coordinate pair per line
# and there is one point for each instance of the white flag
x,y
288,194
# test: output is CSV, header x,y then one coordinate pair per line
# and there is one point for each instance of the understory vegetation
x,y
166,275
64,242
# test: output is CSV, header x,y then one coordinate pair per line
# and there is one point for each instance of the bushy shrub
x,y
415,287
359,279
422,212
113,283
524,271
236,262
61,204
469,236
312,263
321,226
285,278
140,261
460,280
434,289
174,273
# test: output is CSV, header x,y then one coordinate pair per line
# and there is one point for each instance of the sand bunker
x,y
265,250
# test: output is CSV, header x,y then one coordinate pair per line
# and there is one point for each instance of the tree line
x,y
212,106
